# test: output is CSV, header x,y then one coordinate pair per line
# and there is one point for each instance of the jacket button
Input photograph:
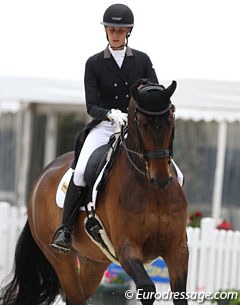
x,y
126,83
116,97
127,95
115,85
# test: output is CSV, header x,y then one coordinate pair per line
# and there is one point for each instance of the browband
x,y
154,113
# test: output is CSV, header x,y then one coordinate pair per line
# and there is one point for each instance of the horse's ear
x,y
134,92
170,90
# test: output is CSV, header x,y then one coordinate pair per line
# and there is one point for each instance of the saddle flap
x,y
95,164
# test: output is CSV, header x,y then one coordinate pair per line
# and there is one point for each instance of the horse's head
x,y
151,121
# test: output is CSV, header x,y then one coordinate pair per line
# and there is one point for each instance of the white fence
x,y
214,258
12,220
214,255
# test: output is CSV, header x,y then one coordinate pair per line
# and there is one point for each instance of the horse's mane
x,y
151,96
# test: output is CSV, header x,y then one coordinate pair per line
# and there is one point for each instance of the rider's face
x,y
116,36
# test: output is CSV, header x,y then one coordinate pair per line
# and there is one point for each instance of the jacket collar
x,y
107,53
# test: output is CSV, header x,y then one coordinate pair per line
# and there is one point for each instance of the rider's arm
x,y
92,93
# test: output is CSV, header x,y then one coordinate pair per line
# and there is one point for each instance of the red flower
x,y
224,225
198,214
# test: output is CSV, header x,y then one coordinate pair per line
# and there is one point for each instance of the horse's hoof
x,y
59,249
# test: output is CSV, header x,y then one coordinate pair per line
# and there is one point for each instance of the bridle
x,y
142,154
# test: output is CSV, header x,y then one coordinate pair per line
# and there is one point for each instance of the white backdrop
x,y
185,39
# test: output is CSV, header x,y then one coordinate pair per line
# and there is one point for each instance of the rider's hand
x,y
117,116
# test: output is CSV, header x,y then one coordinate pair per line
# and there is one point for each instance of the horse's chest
x,y
158,233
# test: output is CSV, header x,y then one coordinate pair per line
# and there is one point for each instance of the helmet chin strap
x,y
127,36
118,48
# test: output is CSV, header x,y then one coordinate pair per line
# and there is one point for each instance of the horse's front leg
x,y
177,263
130,261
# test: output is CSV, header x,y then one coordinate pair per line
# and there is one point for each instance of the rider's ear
x,y
170,90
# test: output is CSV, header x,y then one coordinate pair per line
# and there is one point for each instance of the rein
x,y
128,151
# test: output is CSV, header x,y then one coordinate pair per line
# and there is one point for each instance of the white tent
x,y
194,99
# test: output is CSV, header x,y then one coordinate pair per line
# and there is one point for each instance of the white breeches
x,y
98,136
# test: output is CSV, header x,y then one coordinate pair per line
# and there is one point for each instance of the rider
x,y
108,78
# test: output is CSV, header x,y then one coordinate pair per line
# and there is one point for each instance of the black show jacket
x,y
107,86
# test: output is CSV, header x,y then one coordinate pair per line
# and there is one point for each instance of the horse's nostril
x,y
161,185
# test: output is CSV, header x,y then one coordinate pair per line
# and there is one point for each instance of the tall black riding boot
x,y
72,202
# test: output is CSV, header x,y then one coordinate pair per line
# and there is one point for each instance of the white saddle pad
x,y
63,185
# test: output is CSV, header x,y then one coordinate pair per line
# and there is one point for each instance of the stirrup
x,y
59,249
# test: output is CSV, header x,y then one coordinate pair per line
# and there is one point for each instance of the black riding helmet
x,y
118,15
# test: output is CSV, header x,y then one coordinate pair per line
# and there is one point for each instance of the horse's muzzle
x,y
161,185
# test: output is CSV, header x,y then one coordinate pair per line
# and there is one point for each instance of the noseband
x,y
146,155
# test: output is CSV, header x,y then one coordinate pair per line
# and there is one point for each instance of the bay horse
x,y
142,207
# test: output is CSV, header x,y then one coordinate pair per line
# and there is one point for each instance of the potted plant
x,y
227,297
194,219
